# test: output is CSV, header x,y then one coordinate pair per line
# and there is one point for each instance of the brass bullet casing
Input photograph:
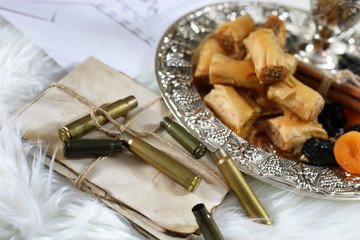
x,y
85,124
162,162
91,147
237,183
206,223
182,136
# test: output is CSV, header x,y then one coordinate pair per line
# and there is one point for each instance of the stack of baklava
x,y
251,84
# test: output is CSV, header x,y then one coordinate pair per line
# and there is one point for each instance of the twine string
x,y
125,126
340,77
73,94
325,84
79,181
346,74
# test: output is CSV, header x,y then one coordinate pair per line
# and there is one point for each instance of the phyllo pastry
x,y
268,107
279,28
292,62
232,109
298,98
209,47
237,73
267,55
231,34
290,133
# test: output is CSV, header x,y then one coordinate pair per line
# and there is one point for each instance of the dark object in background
x,y
320,152
351,62
353,128
333,119
182,136
91,147
206,223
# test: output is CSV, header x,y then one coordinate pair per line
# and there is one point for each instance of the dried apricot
x,y
347,151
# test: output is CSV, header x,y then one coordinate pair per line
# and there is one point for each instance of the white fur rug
x,y
36,203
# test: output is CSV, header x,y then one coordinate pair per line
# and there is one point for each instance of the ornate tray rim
x,y
304,178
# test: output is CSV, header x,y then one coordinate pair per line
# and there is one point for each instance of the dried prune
x,y
320,152
333,119
353,128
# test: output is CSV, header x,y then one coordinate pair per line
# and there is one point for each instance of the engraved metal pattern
x,y
173,70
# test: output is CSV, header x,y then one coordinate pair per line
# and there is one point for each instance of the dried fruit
x,y
319,152
347,151
353,128
333,119
352,118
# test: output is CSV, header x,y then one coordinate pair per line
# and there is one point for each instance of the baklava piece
x,y
297,98
268,107
228,71
231,34
290,133
231,108
267,55
247,95
279,28
292,62
209,47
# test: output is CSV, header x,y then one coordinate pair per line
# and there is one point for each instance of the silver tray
x,y
173,70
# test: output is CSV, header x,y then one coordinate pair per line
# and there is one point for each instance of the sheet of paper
x,y
122,34
61,1
35,10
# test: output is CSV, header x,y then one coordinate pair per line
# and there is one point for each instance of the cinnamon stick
x,y
334,94
318,75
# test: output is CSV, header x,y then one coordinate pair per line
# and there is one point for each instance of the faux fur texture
x,y
36,203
